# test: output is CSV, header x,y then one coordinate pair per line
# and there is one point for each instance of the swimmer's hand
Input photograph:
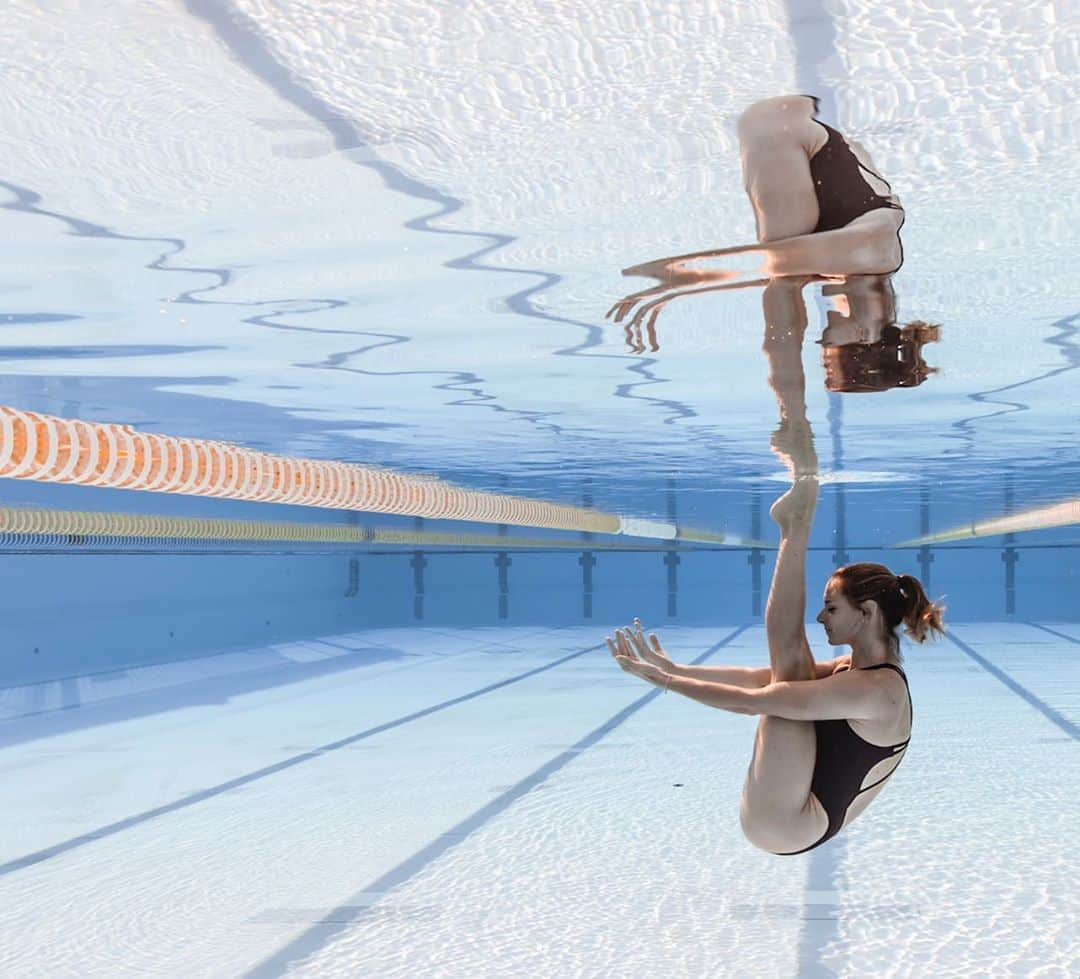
x,y
654,665
672,274
676,276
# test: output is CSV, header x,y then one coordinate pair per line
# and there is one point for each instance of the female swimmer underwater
x,y
830,734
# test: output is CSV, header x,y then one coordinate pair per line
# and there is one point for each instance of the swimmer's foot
x,y
795,509
793,442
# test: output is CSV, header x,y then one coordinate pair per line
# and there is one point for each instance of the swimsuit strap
x,y
839,135
862,166
893,666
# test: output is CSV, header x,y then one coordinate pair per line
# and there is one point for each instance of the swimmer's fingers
x,y
655,346
619,652
637,638
622,307
650,648
613,649
651,329
656,305
617,309
620,648
646,648
625,646
627,303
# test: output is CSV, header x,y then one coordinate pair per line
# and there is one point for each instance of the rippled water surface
x,y
391,237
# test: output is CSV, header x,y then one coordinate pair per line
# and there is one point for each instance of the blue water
x,y
390,237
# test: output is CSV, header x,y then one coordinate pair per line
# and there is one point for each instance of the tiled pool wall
x,y
72,616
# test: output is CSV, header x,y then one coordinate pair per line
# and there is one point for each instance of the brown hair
x,y
894,361
901,598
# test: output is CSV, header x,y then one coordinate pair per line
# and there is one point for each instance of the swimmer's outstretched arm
x,y
746,677
650,650
853,250
866,246
844,696
851,695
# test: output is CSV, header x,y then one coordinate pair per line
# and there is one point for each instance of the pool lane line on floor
x,y
337,920
201,796
1053,632
1055,718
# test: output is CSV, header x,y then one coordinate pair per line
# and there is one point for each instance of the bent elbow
x,y
879,255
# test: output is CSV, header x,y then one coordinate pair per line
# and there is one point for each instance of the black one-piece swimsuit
x,y
843,759
842,191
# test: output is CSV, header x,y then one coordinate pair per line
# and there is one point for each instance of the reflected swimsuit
x,y
843,759
842,192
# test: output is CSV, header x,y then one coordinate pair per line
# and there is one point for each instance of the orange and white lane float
x,y
58,450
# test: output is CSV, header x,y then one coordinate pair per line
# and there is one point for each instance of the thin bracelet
x,y
667,681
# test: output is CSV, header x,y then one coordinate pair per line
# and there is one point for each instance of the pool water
x,y
279,731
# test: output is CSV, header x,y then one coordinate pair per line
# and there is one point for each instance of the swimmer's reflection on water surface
x,y
823,214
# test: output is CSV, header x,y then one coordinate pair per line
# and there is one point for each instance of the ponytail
x,y
921,616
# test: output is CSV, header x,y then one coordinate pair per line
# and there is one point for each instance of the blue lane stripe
x,y
196,797
319,934
1052,632
1042,707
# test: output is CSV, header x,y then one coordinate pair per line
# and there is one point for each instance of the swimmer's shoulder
x,y
828,667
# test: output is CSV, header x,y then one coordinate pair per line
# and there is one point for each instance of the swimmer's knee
x,y
754,833
766,111
878,252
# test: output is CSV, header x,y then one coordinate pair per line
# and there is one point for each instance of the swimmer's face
x,y
834,374
840,618
836,371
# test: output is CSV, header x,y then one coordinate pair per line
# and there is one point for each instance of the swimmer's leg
x,y
785,613
775,136
778,812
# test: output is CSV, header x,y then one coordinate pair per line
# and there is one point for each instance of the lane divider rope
x,y
46,448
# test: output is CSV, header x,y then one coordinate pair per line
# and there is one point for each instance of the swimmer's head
x,y
867,599
859,362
